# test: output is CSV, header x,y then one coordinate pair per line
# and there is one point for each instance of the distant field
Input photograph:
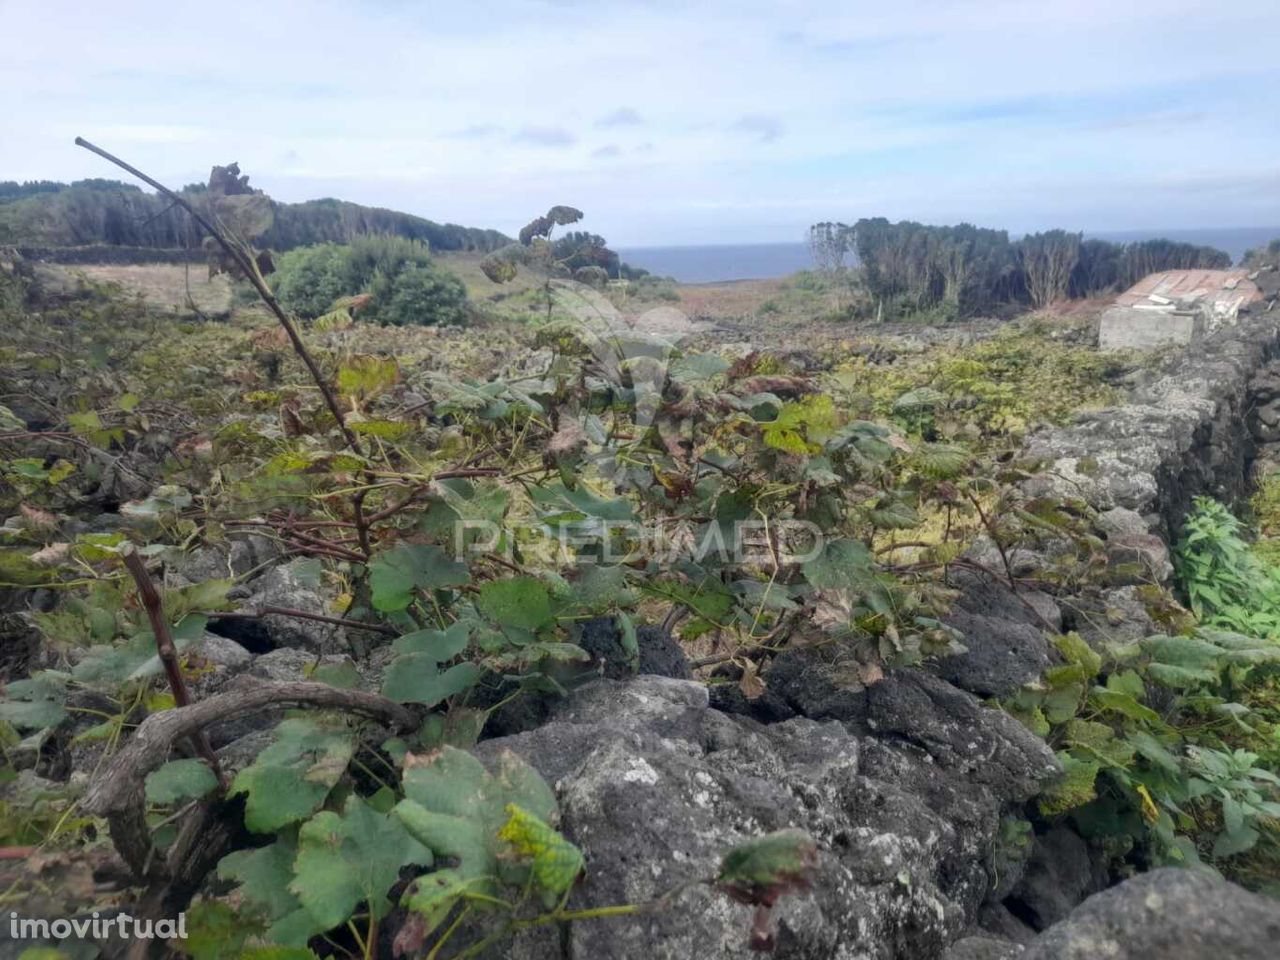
x,y
479,287
163,285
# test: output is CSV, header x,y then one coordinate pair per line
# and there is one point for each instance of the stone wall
x,y
1184,432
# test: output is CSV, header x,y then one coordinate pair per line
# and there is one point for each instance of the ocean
x,y
720,262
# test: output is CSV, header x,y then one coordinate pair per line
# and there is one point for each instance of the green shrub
x,y
1228,585
406,285
421,294
1170,744
309,279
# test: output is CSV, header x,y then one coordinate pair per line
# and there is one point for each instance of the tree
x,y
830,245
1048,260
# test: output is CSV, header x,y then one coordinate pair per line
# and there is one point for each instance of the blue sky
x,y
673,122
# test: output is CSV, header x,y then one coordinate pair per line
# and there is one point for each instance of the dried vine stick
x,y
168,654
116,790
249,269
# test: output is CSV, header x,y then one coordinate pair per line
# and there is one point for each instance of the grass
x,y
163,285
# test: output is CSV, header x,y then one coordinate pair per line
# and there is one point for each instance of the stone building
x,y
1175,307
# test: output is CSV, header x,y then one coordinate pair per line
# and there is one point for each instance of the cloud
x,y
622,117
545,136
476,131
755,119
760,127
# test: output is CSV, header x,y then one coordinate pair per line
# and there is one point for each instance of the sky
x,y
672,122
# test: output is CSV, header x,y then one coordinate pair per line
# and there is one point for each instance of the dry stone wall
x,y
1191,429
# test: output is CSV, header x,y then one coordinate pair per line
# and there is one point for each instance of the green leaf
x,y
35,703
1076,651
349,859
442,645
33,714
278,953
522,602
292,777
843,564
433,896
1123,703
344,675
455,807
417,678
1154,751
940,461
1232,842
179,780
367,375
264,874
395,574
1073,788
382,429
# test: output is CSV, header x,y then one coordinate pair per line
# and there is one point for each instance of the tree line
x,y
109,212
964,270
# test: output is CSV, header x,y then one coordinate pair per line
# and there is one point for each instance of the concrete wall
x,y
1132,328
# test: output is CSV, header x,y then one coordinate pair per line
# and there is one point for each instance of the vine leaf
x,y
554,862
353,858
432,896
35,703
761,870
456,807
179,780
264,874
292,777
417,678
395,574
522,602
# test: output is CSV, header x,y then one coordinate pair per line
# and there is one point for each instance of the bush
x,y
407,286
309,279
420,294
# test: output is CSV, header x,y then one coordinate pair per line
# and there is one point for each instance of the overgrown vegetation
x,y
111,212
405,286
579,431
468,501
962,271
1171,743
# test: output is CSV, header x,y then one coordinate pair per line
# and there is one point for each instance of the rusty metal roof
x,y
1191,288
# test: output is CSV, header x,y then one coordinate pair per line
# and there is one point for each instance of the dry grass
x,y
466,267
162,285
730,300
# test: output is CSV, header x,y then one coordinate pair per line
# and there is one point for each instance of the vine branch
x,y
168,654
250,270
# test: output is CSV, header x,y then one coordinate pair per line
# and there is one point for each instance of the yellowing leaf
x,y
556,862
1150,812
